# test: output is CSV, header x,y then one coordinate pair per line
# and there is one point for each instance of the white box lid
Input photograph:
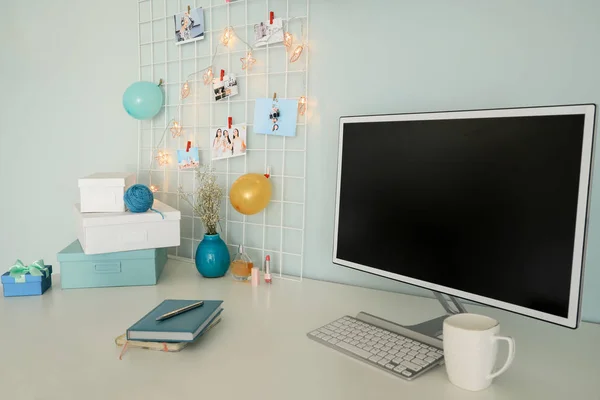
x,y
127,217
107,179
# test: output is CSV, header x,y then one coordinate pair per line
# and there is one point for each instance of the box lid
x,y
127,217
74,252
108,179
6,278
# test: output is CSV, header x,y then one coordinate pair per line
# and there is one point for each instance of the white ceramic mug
x,y
470,349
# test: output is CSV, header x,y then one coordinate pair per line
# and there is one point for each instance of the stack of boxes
x,y
115,247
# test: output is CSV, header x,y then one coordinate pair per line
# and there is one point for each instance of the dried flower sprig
x,y
206,200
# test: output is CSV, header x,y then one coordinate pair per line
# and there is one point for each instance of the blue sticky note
x,y
283,125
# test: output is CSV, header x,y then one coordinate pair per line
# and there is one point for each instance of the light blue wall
x,y
63,78
402,56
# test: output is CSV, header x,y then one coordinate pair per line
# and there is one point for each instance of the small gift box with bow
x,y
27,280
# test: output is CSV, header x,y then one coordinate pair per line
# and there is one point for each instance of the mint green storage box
x,y
125,268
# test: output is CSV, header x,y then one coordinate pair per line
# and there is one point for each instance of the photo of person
x,y
277,117
189,25
229,142
266,32
188,159
225,88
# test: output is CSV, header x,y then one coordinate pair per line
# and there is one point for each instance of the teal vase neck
x,y
211,237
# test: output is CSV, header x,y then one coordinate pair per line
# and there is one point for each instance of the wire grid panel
x,y
279,229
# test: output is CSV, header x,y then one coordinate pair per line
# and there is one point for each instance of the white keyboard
x,y
387,350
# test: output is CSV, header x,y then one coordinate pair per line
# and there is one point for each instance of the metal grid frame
x,y
150,68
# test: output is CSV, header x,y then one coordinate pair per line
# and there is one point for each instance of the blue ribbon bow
x,y
19,270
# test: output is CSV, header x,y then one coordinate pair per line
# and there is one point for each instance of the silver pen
x,y
180,311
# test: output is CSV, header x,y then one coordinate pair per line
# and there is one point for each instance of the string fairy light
x,y
227,36
302,105
163,158
297,53
248,61
208,76
176,129
153,188
287,40
185,90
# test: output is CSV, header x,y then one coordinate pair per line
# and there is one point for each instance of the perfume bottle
x,y
241,266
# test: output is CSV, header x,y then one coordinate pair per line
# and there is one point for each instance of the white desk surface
x,y
61,346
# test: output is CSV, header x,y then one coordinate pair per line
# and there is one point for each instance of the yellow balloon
x,y
250,193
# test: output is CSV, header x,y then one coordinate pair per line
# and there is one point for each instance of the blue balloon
x,y
143,100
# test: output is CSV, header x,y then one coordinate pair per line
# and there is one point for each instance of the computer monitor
x,y
488,205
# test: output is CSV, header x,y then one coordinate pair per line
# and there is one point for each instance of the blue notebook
x,y
180,328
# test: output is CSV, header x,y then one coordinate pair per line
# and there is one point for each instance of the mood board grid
x,y
279,229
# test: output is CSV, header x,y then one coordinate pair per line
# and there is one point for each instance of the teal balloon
x,y
143,100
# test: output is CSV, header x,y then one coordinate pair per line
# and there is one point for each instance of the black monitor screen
x,y
486,206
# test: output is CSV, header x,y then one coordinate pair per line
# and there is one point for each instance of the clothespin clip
x,y
189,9
271,17
275,96
229,122
268,174
222,75
188,147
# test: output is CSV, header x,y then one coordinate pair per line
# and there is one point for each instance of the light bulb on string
x,y
208,76
185,90
163,158
153,188
297,53
248,61
176,129
302,105
287,40
227,36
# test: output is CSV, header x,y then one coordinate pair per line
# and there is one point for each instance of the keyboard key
x,y
412,353
424,351
374,350
386,348
353,349
393,351
382,353
337,324
367,348
360,345
347,340
410,365
333,340
326,331
435,355
399,368
390,366
419,362
314,333
415,347
320,335
386,336
354,342
375,358
420,356
406,373
389,356
326,338
382,362
372,343
429,359
397,347
378,346
408,358
397,360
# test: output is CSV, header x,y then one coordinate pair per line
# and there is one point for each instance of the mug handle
x,y
511,355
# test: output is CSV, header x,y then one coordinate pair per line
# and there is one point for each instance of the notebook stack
x,y
116,247
174,333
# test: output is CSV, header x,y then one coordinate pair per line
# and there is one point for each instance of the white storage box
x,y
111,232
103,191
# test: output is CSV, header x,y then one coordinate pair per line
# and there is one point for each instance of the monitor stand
x,y
427,331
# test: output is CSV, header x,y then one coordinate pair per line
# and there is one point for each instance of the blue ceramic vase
x,y
212,257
